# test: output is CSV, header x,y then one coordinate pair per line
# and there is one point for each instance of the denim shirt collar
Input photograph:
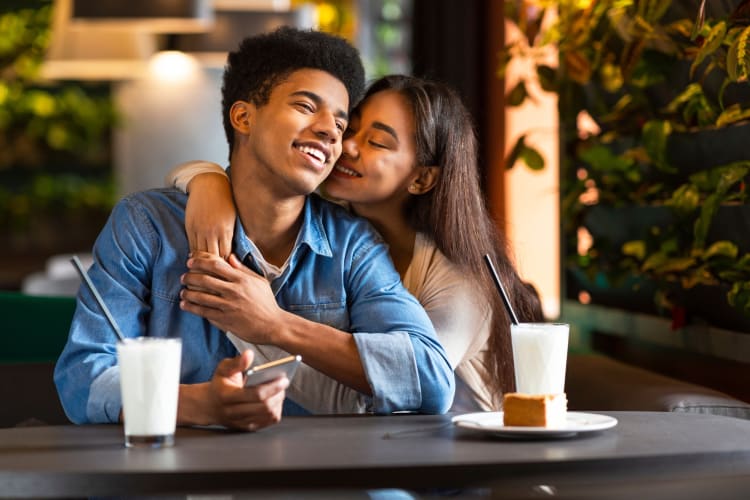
x,y
312,234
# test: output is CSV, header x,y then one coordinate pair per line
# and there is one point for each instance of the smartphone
x,y
272,370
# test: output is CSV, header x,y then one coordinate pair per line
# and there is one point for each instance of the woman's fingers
x,y
225,245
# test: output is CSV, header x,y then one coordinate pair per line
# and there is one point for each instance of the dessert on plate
x,y
534,410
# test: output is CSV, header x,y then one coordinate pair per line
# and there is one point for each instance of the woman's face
x,y
377,163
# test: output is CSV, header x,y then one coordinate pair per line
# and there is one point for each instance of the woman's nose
x,y
349,147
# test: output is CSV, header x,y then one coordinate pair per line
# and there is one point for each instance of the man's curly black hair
x,y
261,62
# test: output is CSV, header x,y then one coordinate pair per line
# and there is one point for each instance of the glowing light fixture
x,y
172,66
155,16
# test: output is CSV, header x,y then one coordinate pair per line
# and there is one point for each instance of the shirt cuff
x,y
390,368
105,400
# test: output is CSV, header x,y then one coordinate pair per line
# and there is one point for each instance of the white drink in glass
x,y
149,384
540,353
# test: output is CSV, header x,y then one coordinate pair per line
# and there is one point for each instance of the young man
x,y
333,297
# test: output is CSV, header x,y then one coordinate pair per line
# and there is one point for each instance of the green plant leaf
x,y
515,153
674,264
699,276
704,220
690,92
635,248
611,77
517,95
532,158
547,77
529,155
721,249
738,57
731,174
685,199
732,114
712,42
655,134
743,263
602,159
669,246
655,260
739,295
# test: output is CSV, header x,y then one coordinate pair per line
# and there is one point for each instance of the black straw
x,y
501,289
77,263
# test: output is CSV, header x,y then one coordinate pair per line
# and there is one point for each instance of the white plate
x,y
492,422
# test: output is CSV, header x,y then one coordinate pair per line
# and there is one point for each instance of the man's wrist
x,y
194,405
283,333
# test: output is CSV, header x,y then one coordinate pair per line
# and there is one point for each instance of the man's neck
x,y
272,222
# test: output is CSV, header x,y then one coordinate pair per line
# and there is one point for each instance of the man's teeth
x,y
315,153
348,171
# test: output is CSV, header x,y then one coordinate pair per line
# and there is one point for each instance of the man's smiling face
x,y
295,139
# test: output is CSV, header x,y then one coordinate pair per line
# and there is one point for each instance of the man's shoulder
x,y
156,197
162,204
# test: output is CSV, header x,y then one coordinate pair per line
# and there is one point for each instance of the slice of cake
x,y
534,410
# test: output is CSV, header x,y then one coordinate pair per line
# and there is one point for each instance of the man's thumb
x,y
237,364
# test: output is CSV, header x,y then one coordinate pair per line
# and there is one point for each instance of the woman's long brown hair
x,y
454,213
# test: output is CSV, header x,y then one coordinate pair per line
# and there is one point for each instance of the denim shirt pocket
x,y
334,314
167,285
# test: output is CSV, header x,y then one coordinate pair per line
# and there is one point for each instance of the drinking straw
x,y
501,289
79,267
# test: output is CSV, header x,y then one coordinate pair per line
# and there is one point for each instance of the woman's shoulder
x,y
429,264
431,274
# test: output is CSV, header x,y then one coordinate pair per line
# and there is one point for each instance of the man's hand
x,y
226,401
232,297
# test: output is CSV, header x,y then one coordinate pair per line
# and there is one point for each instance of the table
x,y
407,451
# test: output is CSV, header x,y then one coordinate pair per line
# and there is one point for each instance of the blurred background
x,y
102,98
612,144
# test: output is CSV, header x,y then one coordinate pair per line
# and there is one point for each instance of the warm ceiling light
x,y
173,66
155,16
94,54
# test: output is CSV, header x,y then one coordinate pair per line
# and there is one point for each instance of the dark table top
x,y
407,451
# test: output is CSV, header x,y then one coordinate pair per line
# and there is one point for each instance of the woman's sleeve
x,y
180,176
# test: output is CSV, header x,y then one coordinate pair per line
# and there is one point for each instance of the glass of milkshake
x,y
149,384
540,353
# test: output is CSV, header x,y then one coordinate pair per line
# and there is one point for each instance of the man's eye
x,y
378,145
306,106
341,127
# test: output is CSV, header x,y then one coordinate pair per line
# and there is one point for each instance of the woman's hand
x,y
232,297
210,214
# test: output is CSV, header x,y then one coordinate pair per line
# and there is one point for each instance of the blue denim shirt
x,y
339,273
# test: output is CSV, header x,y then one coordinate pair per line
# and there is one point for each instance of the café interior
x,y
611,154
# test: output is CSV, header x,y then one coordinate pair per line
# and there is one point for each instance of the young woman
x,y
409,165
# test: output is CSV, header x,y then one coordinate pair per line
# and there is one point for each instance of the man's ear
x,y
240,115
425,180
